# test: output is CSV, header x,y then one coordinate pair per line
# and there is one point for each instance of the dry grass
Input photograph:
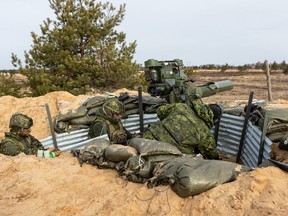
x,y
244,83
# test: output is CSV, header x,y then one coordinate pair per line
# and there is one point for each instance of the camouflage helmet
x,y
217,112
113,106
20,120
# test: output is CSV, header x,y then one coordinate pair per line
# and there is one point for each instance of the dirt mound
x,y
59,186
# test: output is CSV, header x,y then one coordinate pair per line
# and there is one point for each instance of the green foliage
x,y
8,86
283,65
243,68
224,67
285,71
274,66
79,50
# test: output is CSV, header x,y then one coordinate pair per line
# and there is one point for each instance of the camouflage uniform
x,y
14,143
185,127
106,124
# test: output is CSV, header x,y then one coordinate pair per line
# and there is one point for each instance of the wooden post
x,y
268,81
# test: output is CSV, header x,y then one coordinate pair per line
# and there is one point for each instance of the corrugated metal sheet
x,y
229,136
230,132
132,122
70,140
78,139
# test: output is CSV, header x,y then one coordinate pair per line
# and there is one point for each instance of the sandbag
x,y
277,121
146,147
191,176
96,101
151,161
83,115
84,120
132,168
71,114
138,169
94,151
117,153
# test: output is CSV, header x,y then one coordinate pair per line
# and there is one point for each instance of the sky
x,y
199,32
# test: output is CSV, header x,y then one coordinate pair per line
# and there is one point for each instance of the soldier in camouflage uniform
x,y
185,126
108,121
19,139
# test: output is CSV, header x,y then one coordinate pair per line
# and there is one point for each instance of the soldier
x,y
108,121
185,126
19,139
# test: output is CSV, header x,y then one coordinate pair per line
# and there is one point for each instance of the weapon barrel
x,y
210,88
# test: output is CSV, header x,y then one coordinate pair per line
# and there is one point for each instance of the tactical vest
x,y
116,133
11,139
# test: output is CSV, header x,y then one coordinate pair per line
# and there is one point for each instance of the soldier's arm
x,y
35,143
9,148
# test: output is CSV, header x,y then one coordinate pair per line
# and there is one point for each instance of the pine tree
x,y
79,50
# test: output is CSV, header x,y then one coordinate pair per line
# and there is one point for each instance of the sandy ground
x,y
59,186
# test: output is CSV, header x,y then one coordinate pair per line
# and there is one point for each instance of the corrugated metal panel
x,y
78,139
132,123
229,136
251,147
70,140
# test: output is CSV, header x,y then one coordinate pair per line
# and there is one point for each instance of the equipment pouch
x,y
119,137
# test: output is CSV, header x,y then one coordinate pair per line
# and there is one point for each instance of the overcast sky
x,y
199,32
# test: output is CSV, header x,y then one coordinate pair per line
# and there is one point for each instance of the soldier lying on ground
x,y
19,139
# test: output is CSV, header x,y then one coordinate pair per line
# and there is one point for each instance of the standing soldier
x,y
19,139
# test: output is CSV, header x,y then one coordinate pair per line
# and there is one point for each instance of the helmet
x,y
21,121
217,112
113,106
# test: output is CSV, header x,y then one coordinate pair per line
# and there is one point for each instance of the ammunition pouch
x,y
119,137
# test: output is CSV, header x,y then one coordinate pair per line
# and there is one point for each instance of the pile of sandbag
x,y
84,115
160,163
272,121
